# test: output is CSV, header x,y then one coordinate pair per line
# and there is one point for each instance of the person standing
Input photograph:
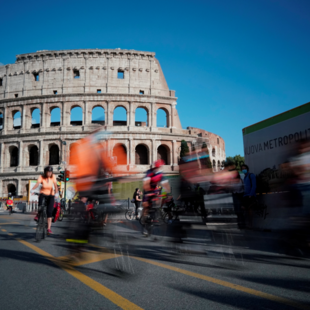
x,y
137,200
249,195
49,191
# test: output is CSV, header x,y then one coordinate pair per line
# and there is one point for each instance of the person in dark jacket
x,y
249,182
137,198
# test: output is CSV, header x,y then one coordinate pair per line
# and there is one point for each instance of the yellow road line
x,y
3,229
88,258
10,234
9,223
96,258
99,288
229,285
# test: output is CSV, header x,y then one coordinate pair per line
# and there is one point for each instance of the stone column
x,y
131,119
85,113
174,161
151,116
106,114
109,114
172,115
1,156
23,119
43,117
6,81
20,156
64,116
24,79
41,152
131,158
4,125
86,83
153,154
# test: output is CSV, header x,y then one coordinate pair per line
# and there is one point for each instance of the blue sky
x,y
232,63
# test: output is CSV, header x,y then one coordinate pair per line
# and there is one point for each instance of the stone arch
x,y
98,115
11,189
33,155
213,164
141,117
55,116
121,112
162,117
213,152
76,115
53,154
17,119
13,156
141,155
120,153
163,153
35,117
218,165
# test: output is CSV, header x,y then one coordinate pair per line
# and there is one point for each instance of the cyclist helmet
x,y
48,169
159,163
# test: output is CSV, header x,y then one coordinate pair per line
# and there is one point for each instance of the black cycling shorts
x,y
49,203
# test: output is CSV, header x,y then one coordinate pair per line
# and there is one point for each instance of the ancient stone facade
x,y
63,80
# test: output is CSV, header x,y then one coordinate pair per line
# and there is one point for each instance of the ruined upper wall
x,y
97,68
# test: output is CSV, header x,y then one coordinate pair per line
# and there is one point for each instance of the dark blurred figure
x,y
300,165
200,202
137,199
249,193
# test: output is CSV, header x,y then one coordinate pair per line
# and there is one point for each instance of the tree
x,y
184,149
237,160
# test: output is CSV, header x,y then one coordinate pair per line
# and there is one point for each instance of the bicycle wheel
x,y
61,214
130,215
40,228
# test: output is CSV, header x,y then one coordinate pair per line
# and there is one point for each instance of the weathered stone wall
x,y
98,70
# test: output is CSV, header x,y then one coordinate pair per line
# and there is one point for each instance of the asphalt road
x,y
216,267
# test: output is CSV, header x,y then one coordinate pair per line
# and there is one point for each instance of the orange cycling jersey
x,y
89,158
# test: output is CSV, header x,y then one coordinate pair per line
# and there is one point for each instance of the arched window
x,y
76,116
1,121
54,155
33,156
97,116
214,164
13,156
120,154
120,117
17,120
55,117
162,118
11,190
142,156
163,154
141,117
213,152
35,118
218,165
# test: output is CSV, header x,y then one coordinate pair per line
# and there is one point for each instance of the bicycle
x,y
130,214
153,222
41,231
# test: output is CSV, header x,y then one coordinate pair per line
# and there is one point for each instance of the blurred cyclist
x,y
49,191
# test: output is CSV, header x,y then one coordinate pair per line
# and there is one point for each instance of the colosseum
x,y
52,84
